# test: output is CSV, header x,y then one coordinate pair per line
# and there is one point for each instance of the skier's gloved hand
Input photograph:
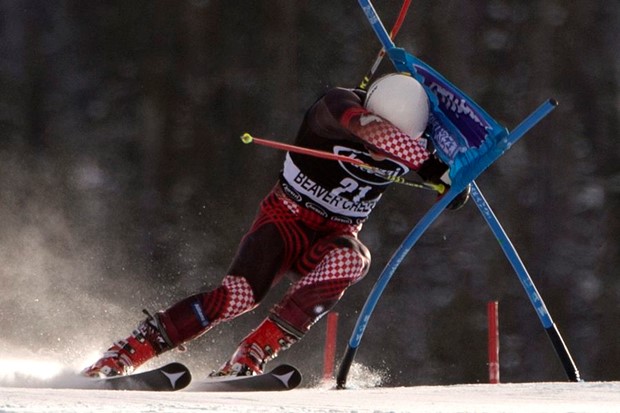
x,y
435,171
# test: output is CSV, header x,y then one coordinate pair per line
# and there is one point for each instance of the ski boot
x,y
260,346
146,342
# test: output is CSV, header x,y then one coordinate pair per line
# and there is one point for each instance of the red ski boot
x,y
146,342
260,346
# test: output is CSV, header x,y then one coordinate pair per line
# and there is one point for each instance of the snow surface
x,y
36,386
510,398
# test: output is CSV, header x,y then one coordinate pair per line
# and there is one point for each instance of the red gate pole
x,y
329,355
492,312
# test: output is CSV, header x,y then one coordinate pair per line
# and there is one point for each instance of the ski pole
x,y
248,138
399,22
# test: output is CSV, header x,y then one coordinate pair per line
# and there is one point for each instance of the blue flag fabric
x,y
460,129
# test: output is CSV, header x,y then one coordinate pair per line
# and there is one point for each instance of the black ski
x,y
171,377
282,377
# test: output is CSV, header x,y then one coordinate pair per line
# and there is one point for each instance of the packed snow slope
x,y
38,386
480,398
44,385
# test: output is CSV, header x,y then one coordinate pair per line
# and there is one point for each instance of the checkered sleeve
x,y
382,136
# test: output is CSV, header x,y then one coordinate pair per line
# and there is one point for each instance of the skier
x,y
307,226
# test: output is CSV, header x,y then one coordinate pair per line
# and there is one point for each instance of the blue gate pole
x,y
524,277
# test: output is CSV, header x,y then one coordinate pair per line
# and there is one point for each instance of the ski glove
x,y
434,171
437,172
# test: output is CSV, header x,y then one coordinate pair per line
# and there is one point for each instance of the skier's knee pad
x,y
320,289
359,249
316,255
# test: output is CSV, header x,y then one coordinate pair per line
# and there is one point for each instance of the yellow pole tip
x,y
246,138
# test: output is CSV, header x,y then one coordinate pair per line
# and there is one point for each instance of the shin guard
x,y
199,313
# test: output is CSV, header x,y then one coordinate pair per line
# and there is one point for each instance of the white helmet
x,y
401,100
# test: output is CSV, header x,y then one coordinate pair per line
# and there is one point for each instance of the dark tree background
x,y
124,185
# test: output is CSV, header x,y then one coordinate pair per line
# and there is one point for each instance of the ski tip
x,y
554,102
288,375
179,375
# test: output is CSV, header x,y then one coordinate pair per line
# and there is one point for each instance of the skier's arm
x,y
377,134
382,137
340,113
